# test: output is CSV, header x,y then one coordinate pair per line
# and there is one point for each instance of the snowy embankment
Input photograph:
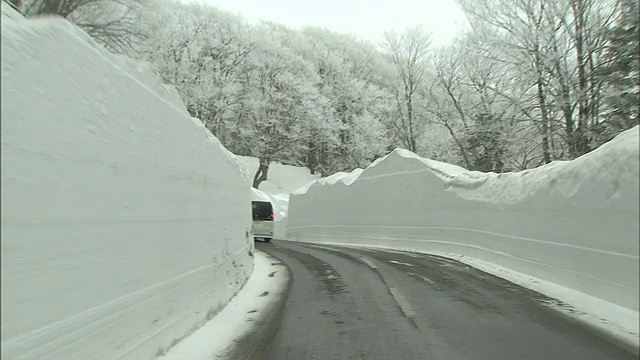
x,y
572,224
125,224
282,179
246,312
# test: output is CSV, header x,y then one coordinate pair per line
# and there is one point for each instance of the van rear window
x,y
262,210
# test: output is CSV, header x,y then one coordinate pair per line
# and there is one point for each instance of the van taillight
x,y
272,216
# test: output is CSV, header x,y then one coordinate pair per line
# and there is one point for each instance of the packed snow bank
x,y
572,223
125,224
344,177
281,179
247,311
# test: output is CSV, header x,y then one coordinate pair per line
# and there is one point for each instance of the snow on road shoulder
x,y
613,320
215,339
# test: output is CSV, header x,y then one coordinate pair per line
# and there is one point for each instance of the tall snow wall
x,y
125,224
573,223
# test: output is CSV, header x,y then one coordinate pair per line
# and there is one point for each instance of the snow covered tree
x,y
557,50
281,111
515,33
621,74
301,98
486,144
346,68
477,99
202,52
583,40
447,98
408,53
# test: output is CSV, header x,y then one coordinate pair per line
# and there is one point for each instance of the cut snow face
x,y
282,179
125,223
573,223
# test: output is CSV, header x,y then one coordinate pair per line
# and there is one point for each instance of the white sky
x,y
367,19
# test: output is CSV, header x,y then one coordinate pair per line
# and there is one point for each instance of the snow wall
x,y
573,223
281,179
125,224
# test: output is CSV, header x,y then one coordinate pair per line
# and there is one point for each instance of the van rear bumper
x,y
262,228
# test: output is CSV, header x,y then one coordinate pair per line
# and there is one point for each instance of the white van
x,y
262,227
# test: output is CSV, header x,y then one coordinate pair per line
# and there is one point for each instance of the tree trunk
x,y
17,4
312,157
261,173
546,156
463,152
579,139
412,136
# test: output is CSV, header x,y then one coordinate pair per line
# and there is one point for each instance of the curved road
x,y
347,303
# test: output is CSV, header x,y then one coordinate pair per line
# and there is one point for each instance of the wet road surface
x,y
346,303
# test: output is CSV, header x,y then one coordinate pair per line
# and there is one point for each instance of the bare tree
x,y
561,46
520,40
408,53
621,73
445,90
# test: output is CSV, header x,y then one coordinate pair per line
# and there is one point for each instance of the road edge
x,y
256,343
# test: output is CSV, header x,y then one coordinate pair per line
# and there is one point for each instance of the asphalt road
x,y
346,303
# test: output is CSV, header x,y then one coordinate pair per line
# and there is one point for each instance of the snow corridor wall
x,y
124,222
572,223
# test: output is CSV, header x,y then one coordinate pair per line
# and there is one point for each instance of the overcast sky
x,y
367,19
